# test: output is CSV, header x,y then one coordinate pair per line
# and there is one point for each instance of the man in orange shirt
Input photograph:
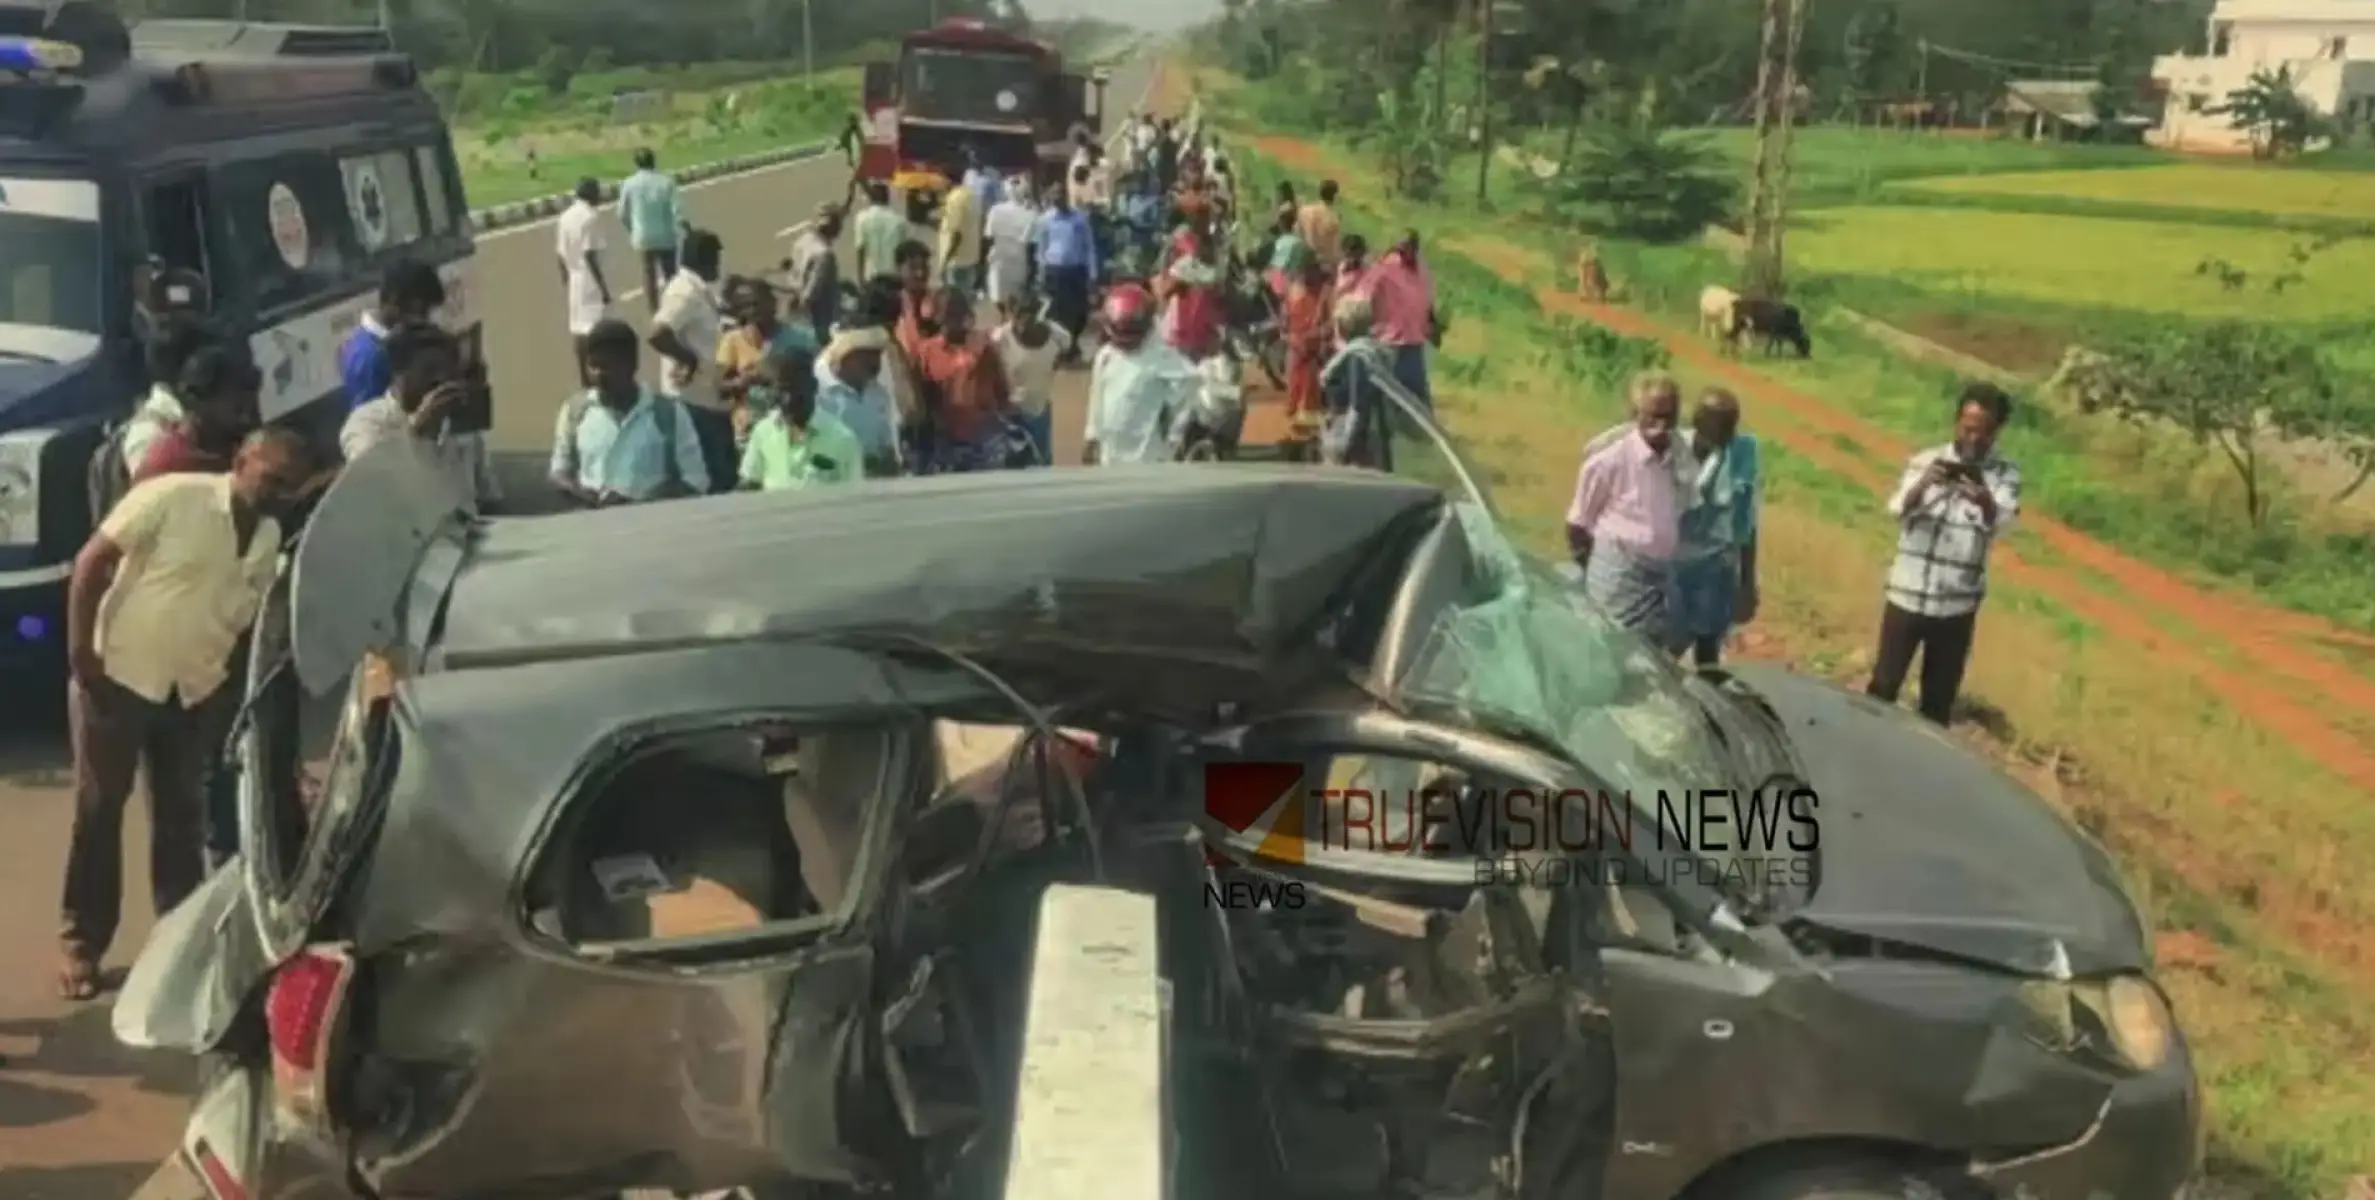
x,y
971,401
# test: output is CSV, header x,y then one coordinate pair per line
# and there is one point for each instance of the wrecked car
x,y
643,860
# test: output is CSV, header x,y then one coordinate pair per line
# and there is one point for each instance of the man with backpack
x,y
618,442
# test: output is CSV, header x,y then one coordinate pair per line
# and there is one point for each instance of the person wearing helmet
x,y
1137,385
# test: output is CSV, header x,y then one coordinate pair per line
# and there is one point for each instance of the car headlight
x,y
2135,1018
2123,1020
20,486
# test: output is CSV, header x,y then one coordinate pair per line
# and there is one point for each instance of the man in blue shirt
x,y
1068,267
654,214
618,443
409,294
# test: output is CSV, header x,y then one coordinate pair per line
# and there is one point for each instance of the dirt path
x,y
2292,690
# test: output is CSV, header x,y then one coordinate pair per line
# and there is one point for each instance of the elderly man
x,y
1624,523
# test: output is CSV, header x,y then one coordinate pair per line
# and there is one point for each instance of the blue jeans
x,y
1042,429
1410,370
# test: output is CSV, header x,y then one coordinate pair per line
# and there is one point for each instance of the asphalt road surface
x,y
82,1118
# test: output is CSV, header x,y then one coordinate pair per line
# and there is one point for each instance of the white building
x,y
2328,44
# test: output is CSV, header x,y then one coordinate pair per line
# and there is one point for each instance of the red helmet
x,y
1129,315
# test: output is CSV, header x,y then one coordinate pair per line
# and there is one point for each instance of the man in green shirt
x,y
878,230
796,446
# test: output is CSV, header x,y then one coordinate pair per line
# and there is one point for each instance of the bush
x,y
1652,184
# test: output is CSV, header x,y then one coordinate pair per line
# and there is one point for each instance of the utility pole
x,y
807,39
1484,104
1776,107
1788,120
1758,279
385,23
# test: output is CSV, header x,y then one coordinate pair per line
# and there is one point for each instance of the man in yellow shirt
x,y
959,258
157,604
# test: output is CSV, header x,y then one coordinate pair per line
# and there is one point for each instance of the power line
x,y
2010,65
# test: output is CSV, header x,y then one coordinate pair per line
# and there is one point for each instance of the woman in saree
x,y
1309,331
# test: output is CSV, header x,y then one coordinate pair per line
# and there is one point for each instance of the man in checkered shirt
x,y
1953,504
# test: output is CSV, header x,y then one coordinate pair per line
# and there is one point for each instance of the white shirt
x,y
1133,395
1031,372
1009,229
184,592
162,408
577,234
463,455
689,308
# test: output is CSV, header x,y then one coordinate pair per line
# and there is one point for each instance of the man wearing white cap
x,y
851,391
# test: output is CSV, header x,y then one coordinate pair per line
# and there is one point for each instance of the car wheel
x,y
1202,450
1848,1180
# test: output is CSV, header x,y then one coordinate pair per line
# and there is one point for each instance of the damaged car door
x,y
1418,1026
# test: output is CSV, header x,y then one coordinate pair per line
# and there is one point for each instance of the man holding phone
x,y
1952,506
430,392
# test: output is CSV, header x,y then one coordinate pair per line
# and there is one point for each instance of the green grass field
x,y
2227,187
2140,266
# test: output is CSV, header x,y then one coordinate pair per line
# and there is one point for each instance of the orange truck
x,y
967,85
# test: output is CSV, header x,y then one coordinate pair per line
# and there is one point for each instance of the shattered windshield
x,y
1530,657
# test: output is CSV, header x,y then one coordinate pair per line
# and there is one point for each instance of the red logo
x,y
1257,798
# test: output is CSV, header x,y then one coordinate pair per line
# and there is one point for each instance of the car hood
x,y
1925,843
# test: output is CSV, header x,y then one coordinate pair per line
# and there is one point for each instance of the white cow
x,y
1715,311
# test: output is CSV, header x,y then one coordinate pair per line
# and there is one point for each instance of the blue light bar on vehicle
x,y
25,55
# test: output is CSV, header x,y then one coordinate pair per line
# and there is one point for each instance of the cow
x,y
1771,322
1715,311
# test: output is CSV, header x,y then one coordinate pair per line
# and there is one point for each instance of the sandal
x,y
78,979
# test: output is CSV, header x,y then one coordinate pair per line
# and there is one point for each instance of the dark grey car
x,y
639,863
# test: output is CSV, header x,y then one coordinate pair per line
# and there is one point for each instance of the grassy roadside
x,y
2209,813
531,151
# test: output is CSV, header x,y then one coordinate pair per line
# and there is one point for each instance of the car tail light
x,y
301,1012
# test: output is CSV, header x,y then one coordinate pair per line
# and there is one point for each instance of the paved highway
x,y
756,214
84,1119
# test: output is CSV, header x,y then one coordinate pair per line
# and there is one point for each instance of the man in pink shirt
x,y
1625,522
1401,294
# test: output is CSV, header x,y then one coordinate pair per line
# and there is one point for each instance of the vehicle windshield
x,y
49,269
971,85
1532,658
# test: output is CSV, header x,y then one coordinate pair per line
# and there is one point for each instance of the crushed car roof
x,y
1231,567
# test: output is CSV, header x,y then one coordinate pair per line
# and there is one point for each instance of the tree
x,y
1872,56
2231,385
2234,385
2270,109
1635,180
